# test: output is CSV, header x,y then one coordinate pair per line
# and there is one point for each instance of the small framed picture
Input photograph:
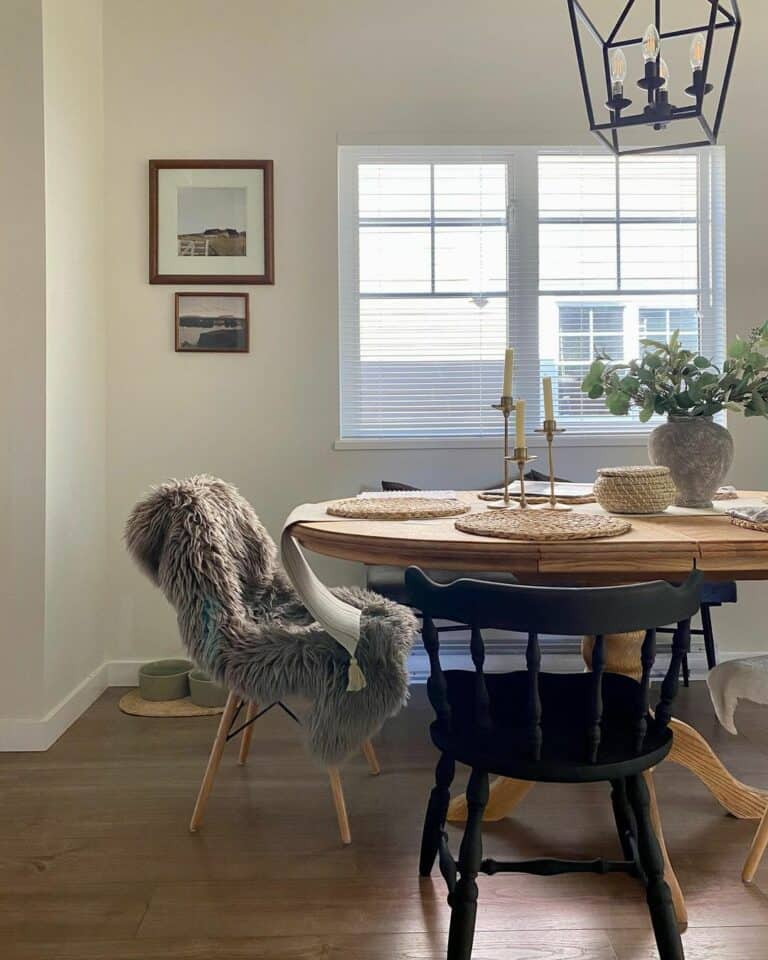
x,y
212,323
211,221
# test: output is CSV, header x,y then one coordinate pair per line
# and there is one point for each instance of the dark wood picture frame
x,y
246,348
269,238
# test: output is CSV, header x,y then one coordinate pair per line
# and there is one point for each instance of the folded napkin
x,y
751,514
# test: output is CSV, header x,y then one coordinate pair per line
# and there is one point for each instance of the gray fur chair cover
x,y
242,622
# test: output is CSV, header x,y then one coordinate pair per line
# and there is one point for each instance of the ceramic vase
x,y
699,454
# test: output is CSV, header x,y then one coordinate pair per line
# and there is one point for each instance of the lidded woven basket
x,y
634,489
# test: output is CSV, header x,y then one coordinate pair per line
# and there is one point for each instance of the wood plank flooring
x,y
96,862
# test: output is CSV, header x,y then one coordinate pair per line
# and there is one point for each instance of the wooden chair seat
x,y
505,749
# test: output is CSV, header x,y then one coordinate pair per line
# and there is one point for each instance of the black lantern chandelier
x,y
653,109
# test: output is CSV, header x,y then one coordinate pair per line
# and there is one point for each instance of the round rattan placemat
x,y
135,705
542,525
397,508
750,524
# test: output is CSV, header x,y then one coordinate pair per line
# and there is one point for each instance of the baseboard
x,y
31,734
22,734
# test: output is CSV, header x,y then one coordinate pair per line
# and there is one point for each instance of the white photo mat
x,y
168,259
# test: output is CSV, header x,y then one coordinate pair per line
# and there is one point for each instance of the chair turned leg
x,y
658,894
245,741
756,851
339,804
709,636
686,671
370,756
622,814
437,810
214,760
463,900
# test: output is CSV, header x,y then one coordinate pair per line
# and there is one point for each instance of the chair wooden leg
x,y
622,814
437,809
678,900
339,804
709,636
245,740
756,851
370,756
463,900
658,894
214,760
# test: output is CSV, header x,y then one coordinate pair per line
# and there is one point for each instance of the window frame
x,y
522,297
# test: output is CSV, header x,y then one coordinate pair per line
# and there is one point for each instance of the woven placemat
x,y
135,705
750,524
397,508
535,498
542,525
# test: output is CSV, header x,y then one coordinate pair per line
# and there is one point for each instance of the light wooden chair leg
x,y
678,900
370,756
245,741
213,762
756,851
339,804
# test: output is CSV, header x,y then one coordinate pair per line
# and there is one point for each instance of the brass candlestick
x,y
521,458
549,428
506,405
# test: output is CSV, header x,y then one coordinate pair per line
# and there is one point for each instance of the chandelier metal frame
x,y
657,112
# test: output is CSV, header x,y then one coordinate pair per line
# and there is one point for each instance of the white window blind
x,y
447,255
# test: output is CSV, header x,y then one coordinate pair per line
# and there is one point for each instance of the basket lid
x,y
636,471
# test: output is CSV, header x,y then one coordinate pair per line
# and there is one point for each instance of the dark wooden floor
x,y
96,860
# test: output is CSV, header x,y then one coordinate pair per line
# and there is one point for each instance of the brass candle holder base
x,y
549,428
521,458
506,405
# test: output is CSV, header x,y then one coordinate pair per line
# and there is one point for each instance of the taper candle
x,y
520,423
549,410
509,359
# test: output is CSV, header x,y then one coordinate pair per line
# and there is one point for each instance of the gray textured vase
x,y
699,454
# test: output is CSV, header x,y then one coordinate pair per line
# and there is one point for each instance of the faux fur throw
x,y
242,622
734,680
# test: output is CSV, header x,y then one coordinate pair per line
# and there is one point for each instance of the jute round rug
x,y
134,704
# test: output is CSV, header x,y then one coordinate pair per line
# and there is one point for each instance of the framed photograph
x,y
212,323
211,221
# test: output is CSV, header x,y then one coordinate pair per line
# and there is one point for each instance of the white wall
x,y
288,80
22,360
75,551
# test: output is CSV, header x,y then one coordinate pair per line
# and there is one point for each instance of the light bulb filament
x,y
698,46
651,43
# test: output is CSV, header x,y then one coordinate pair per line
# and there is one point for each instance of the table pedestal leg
x,y
503,797
692,751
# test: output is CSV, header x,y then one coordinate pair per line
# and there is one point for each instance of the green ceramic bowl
x,y
206,692
165,679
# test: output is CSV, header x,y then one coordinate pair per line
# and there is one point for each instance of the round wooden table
x,y
664,546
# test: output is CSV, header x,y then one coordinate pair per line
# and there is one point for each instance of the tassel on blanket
x,y
355,677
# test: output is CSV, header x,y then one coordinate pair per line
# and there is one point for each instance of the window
x,y
447,255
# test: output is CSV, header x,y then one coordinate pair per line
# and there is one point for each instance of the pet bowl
x,y
164,679
206,692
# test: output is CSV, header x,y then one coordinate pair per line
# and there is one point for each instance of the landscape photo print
x,y
211,221
211,323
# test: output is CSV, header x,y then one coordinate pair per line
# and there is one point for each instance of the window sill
x,y
535,442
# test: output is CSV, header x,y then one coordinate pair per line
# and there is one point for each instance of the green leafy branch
x,y
668,379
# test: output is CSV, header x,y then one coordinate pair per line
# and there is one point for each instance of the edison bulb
x,y
664,74
618,66
698,45
651,43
